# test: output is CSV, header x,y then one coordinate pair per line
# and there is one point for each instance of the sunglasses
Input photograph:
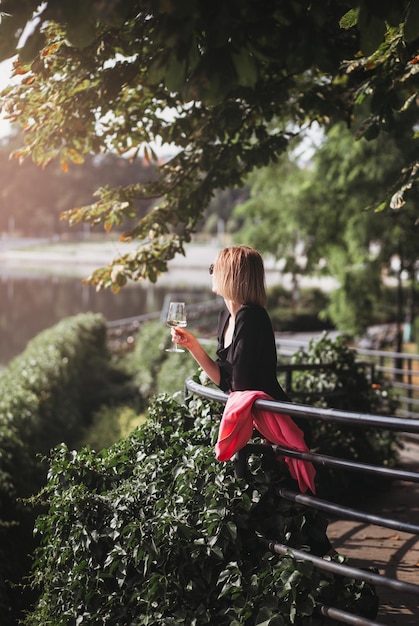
x,y
211,269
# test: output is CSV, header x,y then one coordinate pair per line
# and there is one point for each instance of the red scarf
x,y
236,428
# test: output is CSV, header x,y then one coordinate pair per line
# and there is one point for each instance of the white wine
x,y
175,323
176,318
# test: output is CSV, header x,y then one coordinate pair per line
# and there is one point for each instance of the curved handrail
x,y
302,410
381,421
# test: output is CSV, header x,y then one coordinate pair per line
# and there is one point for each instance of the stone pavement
x,y
395,554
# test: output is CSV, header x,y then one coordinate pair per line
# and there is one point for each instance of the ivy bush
x,y
147,357
343,382
155,531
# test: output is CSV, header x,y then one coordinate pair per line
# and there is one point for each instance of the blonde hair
x,y
240,275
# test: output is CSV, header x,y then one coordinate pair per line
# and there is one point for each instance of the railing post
x,y
410,388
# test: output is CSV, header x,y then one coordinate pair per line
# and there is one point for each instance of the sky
x,y
5,71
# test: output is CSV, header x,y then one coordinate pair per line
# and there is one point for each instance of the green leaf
x,y
81,34
174,73
245,67
350,19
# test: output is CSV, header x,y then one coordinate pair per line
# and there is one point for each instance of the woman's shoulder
x,y
253,312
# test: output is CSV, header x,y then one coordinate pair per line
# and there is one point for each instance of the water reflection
x,y
29,305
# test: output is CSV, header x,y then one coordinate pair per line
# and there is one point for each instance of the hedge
x,y
47,395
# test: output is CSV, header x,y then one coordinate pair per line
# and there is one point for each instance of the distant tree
x,y
273,215
228,83
361,243
218,216
32,199
325,219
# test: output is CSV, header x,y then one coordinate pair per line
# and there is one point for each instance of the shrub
x,y
174,371
47,395
343,382
147,357
155,531
154,370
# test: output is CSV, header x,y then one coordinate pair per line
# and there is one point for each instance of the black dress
x,y
250,361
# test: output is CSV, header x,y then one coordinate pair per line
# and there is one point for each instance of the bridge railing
x,y
396,424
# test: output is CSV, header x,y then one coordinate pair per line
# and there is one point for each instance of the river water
x,y
30,304
39,289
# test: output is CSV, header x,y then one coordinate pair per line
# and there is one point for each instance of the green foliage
x,y
156,531
304,311
353,304
321,219
147,357
356,387
273,215
47,395
153,369
49,391
174,371
343,382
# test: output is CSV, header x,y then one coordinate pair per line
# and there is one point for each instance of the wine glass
x,y
176,316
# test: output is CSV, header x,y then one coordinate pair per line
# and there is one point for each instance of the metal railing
x,y
396,424
400,368
403,371
196,311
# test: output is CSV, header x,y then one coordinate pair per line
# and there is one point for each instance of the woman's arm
x,y
185,339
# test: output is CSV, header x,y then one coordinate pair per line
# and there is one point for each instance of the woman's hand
x,y
184,338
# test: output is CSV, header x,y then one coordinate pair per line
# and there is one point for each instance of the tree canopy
x,y
229,84
317,219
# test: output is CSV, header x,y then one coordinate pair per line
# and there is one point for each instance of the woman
x,y
246,354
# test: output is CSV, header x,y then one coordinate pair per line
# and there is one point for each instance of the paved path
x,y
395,554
